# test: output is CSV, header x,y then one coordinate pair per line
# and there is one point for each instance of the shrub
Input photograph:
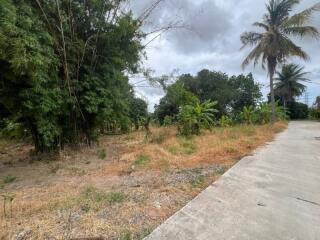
x,y
142,160
298,110
248,114
9,178
193,118
102,153
168,120
314,113
225,121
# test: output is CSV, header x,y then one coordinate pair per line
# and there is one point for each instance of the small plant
x,y
142,160
102,154
173,150
198,182
9,179
189,146
225,121
115,197
248,114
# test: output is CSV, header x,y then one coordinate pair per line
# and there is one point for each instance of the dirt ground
x,y
120,189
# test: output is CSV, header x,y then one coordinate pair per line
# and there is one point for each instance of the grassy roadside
x,y
122,188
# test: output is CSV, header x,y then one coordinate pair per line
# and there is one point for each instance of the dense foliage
x,y
193,118
298,110
63,66
230,93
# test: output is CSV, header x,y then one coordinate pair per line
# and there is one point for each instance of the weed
x,y
126,235
142,160
173,150
198,182
116,197
93,198
9,179
102,154
221,170
189,147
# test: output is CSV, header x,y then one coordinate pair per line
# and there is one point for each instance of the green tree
x,y
176,96
273,46
138,111
63,66
288,84
246,92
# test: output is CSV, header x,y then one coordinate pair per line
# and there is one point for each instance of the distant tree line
x,y
231,94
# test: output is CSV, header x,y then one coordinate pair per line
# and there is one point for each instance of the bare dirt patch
x,y
120,189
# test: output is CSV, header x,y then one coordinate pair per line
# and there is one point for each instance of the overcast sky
x,y
211,40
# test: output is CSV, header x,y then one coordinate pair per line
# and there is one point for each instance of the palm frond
x,y
288,48
301,18
262,25
302,31
250,38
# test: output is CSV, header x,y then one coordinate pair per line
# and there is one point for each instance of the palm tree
x,y
273,46
288,83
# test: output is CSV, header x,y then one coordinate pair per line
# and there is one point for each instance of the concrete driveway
x,y
272,195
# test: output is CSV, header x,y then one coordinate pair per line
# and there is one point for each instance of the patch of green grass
x,y
173,150
102,154
198,182
142,160
9,179
221,170
189,146
116,197
91,199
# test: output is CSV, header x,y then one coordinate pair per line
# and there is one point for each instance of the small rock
x,y
22,235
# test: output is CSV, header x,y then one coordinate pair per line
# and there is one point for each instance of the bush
x,y
314,113
193,118
298,110
225,121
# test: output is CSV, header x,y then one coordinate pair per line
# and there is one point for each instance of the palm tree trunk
x,y
272,63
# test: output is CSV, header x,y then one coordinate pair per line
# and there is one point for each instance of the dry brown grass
x,y
138,184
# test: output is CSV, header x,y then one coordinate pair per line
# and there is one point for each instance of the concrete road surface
x,y
272,195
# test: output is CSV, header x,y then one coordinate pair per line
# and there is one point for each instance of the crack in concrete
x,y
304,200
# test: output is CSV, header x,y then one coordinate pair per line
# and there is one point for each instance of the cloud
x,y
212,40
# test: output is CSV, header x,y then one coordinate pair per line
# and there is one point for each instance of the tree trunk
x,y
272,63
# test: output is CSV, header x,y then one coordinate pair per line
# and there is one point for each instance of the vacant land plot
x,y
120,189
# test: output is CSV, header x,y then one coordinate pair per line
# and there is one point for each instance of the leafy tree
x,y
246,92
298,110
288,84
63,66
273,46
176,96
138,111
193,118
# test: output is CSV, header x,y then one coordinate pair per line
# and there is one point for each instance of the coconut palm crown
x,y
289,82
274,45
